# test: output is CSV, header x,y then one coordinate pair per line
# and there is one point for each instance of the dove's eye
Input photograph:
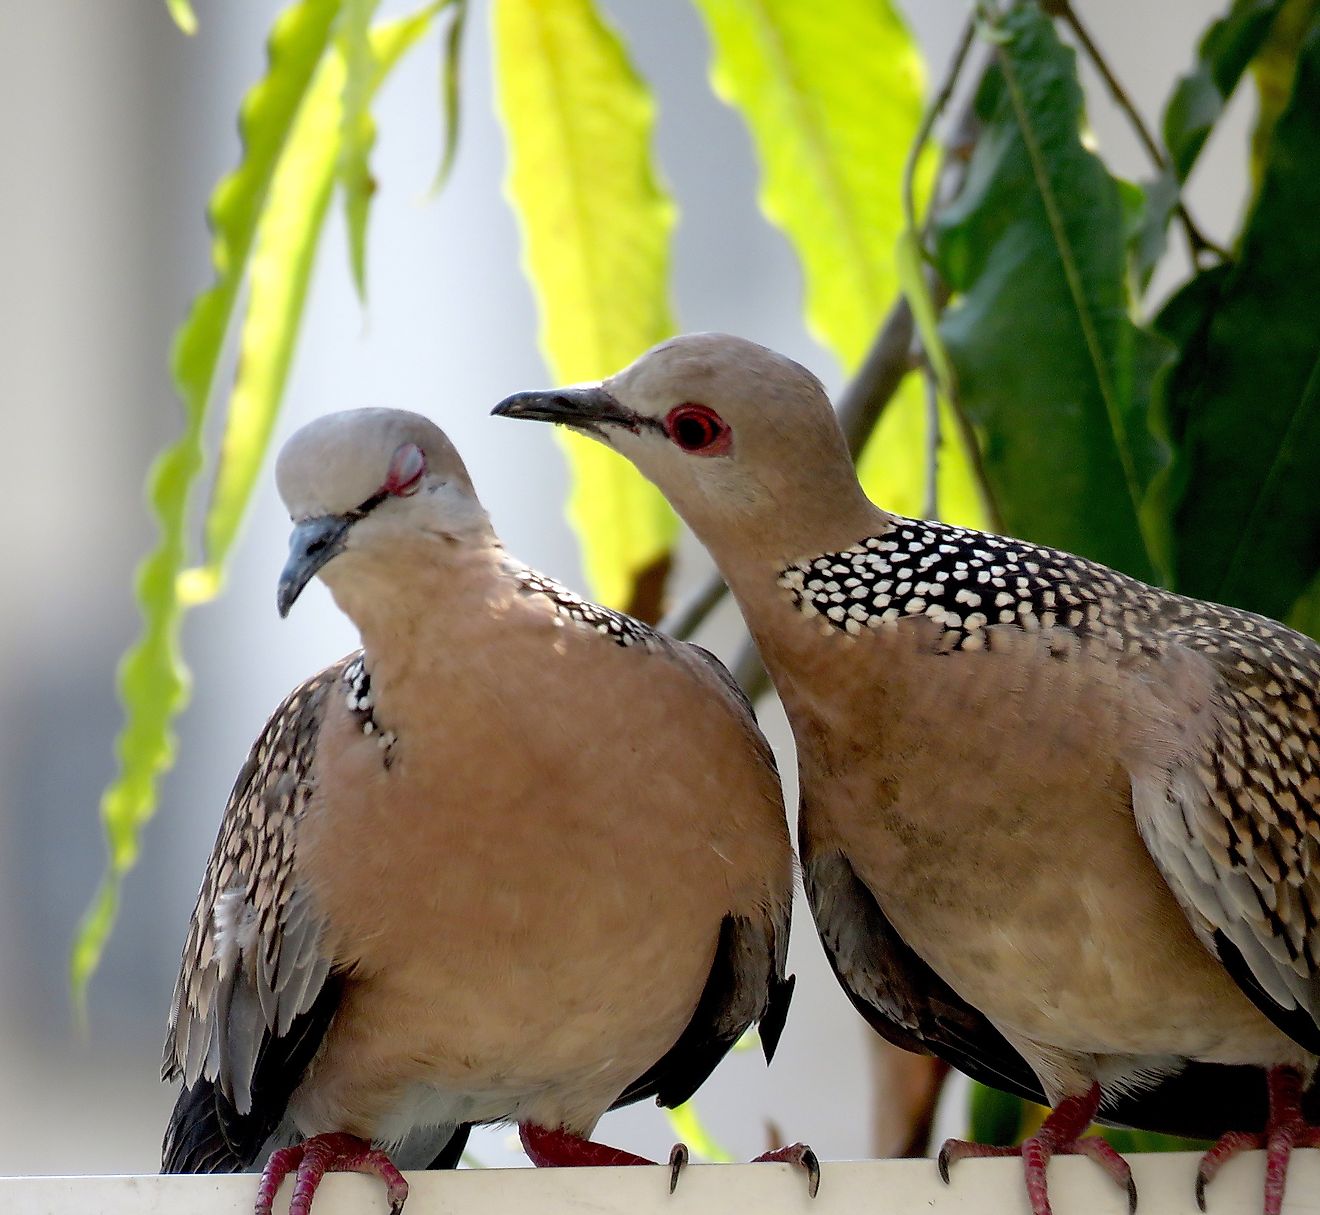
x,y
699,430
407,467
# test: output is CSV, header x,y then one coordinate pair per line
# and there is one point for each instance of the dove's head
x,y
371,489
741,440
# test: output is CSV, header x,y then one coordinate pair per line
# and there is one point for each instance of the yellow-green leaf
x,y
595,225
390,40
152,680
892,466
689,1129
182,13
450,99
266,214
832,95
281,268
357,131
912,278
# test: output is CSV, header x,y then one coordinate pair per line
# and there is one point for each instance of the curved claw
x,y
811,1162
678,1158
1109,1159
1286,1128
1228,1146
321,1154
1059,1135
802,1156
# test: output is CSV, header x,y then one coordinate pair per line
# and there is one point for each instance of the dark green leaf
x,y
1243,402
1305,615
1274,69
1199,98
994,1117
1034,246
1148,229
1126,1141
1193,108
998,1119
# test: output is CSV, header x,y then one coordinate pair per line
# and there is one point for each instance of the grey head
x,y
732,433
363,481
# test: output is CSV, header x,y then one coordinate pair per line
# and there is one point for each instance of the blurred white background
x,y
116,128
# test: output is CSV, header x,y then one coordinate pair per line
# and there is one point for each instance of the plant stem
x,y
931,116
869,391
931,507
1198,243
685,619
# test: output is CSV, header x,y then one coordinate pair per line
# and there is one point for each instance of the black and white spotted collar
x,y
616,626
357,692
964,581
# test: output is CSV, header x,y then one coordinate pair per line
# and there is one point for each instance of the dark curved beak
x,y
590,409
313,543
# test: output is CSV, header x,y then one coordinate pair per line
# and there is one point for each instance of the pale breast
x,y
568,821
988,808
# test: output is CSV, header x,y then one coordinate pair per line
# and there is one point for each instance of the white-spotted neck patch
x,y
573,609
357,692
966,581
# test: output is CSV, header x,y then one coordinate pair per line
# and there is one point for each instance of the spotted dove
x,y
519,859
1057,826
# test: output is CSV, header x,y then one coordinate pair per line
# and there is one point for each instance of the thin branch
x,y
931,507
1197,241
887,363
931,116
749,671
994,516
691,614
890,357
1062,8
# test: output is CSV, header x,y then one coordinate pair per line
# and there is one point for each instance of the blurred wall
x,y
116,129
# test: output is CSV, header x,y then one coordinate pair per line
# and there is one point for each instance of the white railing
x,y
886,1187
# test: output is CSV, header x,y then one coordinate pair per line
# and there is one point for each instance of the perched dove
x,y
519,859
1058,827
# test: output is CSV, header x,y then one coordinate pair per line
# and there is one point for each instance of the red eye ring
x,y
407,468
698,430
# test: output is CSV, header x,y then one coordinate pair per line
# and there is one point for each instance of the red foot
x,y
559,1148
552,1149
1059,1135
548,1149
1285,1129
322,1154
798,1154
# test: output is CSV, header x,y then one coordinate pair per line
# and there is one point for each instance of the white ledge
x,y
900,1187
